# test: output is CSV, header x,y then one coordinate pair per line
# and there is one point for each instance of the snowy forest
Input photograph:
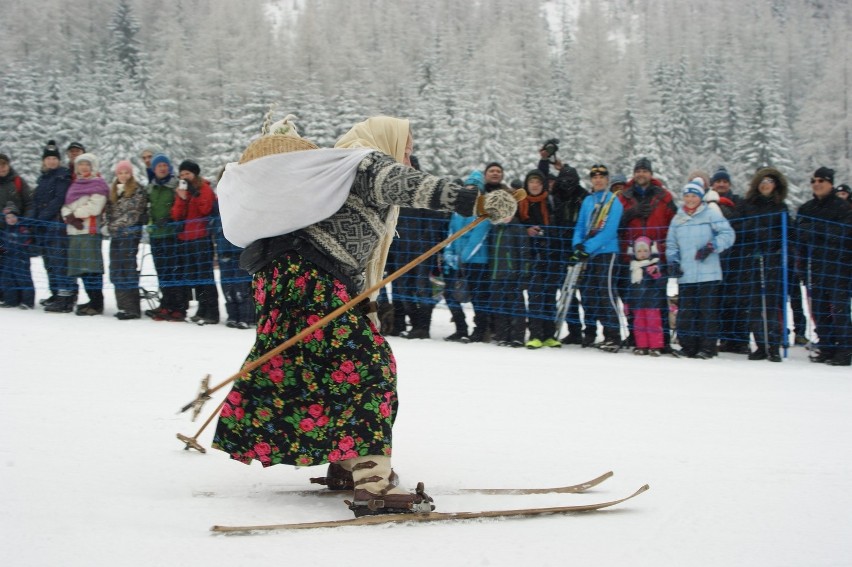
x,y
690,84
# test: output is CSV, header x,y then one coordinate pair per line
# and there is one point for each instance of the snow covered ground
x,y
749,462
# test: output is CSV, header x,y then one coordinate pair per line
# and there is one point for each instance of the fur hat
x,y
51,150
190,166
91,159
643,163
694,187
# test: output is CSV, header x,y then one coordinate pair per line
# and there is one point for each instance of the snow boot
x,y
759,354
774,354
95,306
62,304
841,358
376,489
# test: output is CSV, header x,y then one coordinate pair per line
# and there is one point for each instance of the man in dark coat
x,y
824,241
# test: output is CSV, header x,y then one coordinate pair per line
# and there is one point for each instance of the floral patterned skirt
x,y
330,397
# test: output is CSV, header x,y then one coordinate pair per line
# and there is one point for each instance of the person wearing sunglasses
x,y
824,246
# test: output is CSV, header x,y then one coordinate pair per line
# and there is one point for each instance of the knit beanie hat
x,y
11,208
842,188
5,157
189,165
535,173
493,164
124,165
91,159
825,173
694,187
721,174
642,242
51,150
617,179
76,146
643,163
162,158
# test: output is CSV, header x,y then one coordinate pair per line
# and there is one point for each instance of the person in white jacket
x,y
84,204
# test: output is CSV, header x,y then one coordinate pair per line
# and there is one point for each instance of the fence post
x,y
785,335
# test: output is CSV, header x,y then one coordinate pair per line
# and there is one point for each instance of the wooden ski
x,y
430,517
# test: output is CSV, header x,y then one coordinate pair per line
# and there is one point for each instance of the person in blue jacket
x,y
596,243
696,237
467,259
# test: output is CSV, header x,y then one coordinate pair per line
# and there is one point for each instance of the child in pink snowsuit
x,y
646,297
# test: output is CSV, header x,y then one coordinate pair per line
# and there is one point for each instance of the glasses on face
x,y
818,180
598,175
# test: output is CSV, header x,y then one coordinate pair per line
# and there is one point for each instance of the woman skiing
x,y
317,225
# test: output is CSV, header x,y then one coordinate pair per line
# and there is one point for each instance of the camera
x,y
182,184
550,147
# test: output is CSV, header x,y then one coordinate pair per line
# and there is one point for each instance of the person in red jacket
x,y
193,205
648,210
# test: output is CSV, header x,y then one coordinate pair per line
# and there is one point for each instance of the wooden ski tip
x,y
191,443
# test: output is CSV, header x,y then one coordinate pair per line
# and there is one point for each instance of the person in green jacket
x,y
163,237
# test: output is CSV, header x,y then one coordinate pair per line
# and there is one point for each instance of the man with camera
x,y
567,196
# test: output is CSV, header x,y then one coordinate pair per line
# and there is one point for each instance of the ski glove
x,y
499,206
579,255
675,271
704,252
74,221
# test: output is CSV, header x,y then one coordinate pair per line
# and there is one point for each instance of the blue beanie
x,y
161,158
694,187
721,175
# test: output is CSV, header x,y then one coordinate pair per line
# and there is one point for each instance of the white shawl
x,y
281,193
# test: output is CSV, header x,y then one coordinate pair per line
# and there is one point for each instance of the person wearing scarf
x,y
697,235
317,225
126,214
84,204
536,212
596,243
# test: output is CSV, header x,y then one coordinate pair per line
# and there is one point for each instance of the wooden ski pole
x,y
205,393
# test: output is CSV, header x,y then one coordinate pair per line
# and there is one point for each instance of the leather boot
x,y
377,491
336,478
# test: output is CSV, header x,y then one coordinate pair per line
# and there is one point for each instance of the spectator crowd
x,y
629,263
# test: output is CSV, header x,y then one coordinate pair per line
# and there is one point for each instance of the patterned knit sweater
x,y
343,243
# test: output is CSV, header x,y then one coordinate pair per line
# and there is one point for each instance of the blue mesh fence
x,y
782,279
